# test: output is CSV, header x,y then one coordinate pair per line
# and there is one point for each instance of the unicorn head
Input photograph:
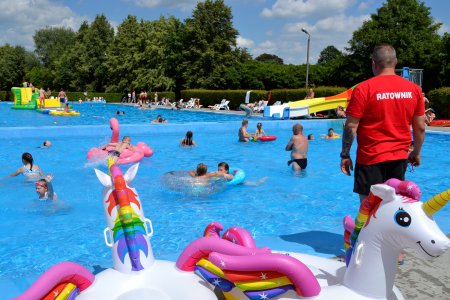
x,y
126,232
404,222
390,222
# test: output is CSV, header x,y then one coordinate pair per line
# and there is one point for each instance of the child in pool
x,y
201,171
223,170
29,170
44,189
331,134
188,140
259,131
120,147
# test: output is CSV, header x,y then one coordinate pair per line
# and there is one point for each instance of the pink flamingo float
x,y
127,156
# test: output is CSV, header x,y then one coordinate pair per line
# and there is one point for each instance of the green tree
x,y
328,55
445,59
209,41
270,58
12,66
97,39
408,26
51,42
120,56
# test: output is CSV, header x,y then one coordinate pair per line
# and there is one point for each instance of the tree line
x,y
201,53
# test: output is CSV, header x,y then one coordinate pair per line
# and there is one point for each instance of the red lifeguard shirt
x,y
385,105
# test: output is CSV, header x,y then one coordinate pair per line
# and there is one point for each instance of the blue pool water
x,y
97,113
293,212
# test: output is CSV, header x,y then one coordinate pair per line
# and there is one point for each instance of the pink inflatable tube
x,y
304,281
60,273
236,234
127,156
240,236
202,247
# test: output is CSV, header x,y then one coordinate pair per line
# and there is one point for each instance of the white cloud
x,y
244,43
21,19
291,44
181,4
306,8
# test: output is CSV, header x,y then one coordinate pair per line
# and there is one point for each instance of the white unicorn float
x,y
391,218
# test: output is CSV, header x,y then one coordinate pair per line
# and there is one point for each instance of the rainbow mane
x,y
129,230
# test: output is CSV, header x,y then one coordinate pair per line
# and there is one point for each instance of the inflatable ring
x,y
239,176
182,182
267,138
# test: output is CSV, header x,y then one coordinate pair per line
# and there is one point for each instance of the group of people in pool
x,y
223,170
32,171
245,136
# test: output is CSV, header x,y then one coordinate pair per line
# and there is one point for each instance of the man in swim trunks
x,y
298,145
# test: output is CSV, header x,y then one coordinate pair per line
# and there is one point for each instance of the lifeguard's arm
x,y
351,125
17,172
418,126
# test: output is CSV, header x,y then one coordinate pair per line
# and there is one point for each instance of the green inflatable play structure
x,y
24,98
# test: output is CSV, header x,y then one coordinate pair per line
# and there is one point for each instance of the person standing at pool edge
x,y
380,113
298,145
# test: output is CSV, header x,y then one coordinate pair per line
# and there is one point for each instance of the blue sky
x,y
265,26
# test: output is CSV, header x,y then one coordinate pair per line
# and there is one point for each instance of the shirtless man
x,y
120,147
244,136
298,145
41,98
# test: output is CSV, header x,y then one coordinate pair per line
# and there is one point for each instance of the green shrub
x,y
4,96
440,101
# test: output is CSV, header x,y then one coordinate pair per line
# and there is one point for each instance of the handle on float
x,y
147,221
107,232
359,252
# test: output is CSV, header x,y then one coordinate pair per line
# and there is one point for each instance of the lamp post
x,y
307,57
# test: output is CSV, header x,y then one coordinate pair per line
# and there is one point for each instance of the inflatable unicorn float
x,y
232,267
390,219
140,151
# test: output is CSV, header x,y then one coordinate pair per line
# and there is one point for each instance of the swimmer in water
x,y
44,189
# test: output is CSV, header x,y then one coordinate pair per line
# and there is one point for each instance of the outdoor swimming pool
x,y
300,213
96,114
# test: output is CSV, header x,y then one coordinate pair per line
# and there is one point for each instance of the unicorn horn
x,y
436,203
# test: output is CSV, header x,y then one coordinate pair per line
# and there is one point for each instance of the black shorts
x,y
302,162
366,176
